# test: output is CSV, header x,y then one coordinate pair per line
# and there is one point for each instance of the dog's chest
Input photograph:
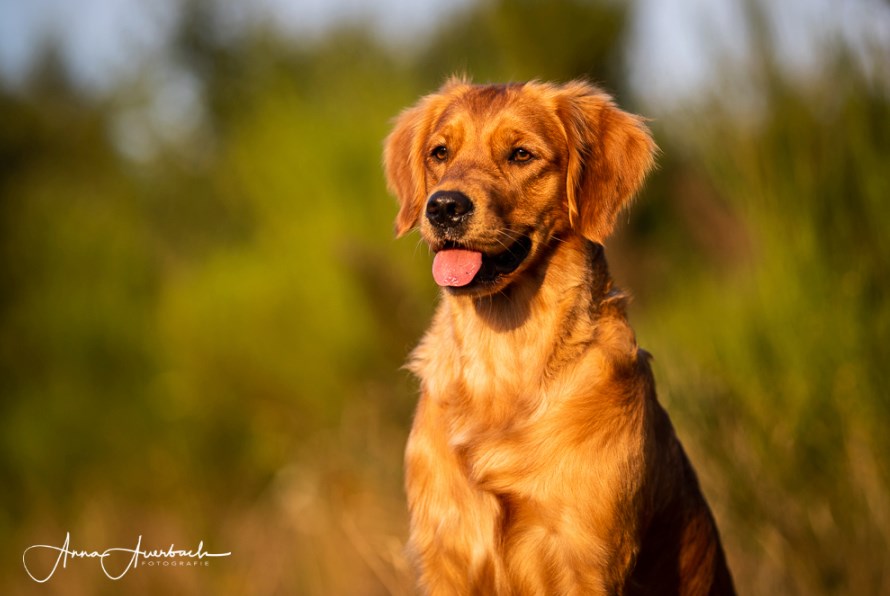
x,y
501,392
499,416
497,368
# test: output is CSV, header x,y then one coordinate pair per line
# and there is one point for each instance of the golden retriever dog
x,y
540,461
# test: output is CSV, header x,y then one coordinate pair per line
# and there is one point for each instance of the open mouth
x,y
457,266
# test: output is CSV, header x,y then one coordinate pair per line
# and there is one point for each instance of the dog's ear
x,y
610,153
404,151
403,164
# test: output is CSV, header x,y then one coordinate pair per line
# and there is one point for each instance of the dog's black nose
x,y
448,208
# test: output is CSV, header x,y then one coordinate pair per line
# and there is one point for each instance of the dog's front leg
x,y
454,526
572,528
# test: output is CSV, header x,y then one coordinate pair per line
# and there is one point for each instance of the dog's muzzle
x,y
459,263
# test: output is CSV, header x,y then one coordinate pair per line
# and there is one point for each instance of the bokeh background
x,y
203,312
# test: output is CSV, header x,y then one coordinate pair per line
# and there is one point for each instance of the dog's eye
x,y
439,153
520,154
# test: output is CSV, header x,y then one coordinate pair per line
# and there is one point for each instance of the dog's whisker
x,y
419,244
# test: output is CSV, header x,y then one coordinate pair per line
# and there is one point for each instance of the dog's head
x,y
492,173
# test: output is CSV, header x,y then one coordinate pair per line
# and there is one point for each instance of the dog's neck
x,y
506,345
573,270
565,286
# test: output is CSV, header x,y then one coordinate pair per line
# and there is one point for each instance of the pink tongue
x,y
454,267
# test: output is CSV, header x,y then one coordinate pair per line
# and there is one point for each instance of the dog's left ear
x,y
610,153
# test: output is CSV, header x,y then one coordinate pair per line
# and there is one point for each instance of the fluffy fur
x,y
540,461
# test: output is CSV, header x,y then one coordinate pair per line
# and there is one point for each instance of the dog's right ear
x,y
404,153
403,164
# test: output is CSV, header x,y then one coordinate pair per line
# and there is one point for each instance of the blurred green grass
x,y
205,344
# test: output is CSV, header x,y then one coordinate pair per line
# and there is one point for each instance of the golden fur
x,y
540,461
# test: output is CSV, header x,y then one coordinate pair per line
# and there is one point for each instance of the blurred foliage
x,y
201,332
785,354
